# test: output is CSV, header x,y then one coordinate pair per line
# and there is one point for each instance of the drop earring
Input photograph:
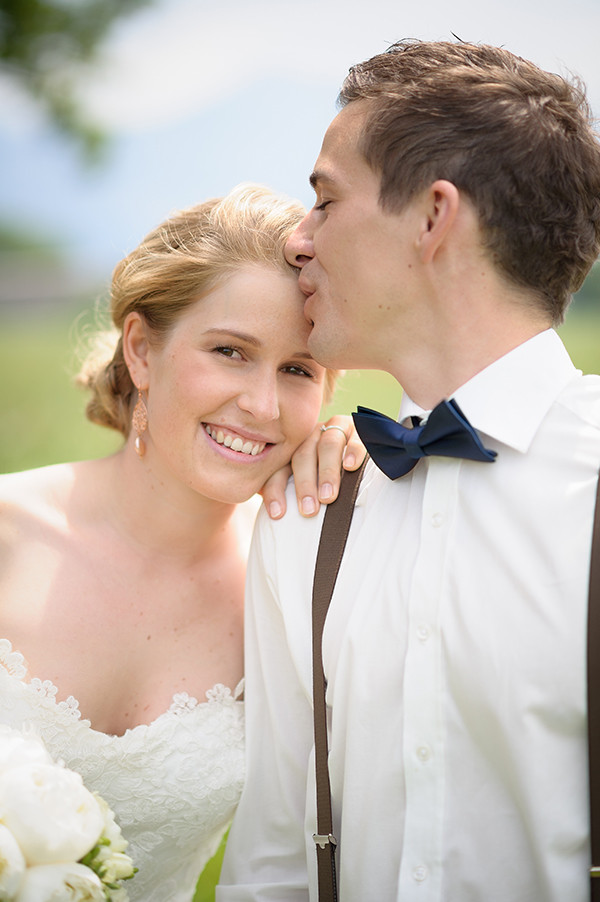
x,y
139,421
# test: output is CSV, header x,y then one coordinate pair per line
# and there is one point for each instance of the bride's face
x,y
233,391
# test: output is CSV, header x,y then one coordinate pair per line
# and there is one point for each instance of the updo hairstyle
x,y
173,267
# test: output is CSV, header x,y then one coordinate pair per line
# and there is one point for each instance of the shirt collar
x,y
510,397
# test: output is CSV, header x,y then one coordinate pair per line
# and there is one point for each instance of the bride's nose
x,y
260,398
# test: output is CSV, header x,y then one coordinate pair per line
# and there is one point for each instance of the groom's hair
x,y
516,140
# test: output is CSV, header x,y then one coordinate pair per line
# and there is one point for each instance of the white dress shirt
x,y
455,656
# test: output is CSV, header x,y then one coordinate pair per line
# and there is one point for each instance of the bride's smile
x,y
231,438
232,390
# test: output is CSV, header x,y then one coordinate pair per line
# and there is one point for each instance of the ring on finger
x,y
343,431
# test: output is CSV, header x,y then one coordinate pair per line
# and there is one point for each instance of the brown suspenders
x,y
336,525
593,694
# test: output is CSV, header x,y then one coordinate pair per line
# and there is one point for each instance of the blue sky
x,y
202,95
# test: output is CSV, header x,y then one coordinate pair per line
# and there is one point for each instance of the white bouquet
x,y
58,841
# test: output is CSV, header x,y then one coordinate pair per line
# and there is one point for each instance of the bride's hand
x,y
316,466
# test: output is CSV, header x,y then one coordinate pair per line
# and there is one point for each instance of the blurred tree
x,y
44,44
14,239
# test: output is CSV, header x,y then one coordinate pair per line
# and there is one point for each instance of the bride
x,y
122,579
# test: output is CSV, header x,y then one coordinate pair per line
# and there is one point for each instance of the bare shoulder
x,y
34,522
32,499
34,490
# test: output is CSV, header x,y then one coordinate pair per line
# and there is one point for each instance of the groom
x,y
457,209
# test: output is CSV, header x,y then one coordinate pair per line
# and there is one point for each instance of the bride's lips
x,y
236,444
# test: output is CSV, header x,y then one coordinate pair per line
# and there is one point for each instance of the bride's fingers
x,y
306,464
355,450
316,465
273,492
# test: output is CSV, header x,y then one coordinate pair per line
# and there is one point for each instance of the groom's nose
x,y
299,247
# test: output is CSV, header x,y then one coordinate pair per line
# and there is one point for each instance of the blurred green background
x,y
42,417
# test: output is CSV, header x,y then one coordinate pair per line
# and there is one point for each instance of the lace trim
x,y
46,689
13,661
218,695
182,703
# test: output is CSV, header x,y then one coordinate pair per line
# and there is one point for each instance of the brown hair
x,y
516,140
175,265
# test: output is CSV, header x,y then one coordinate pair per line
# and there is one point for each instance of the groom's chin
x,y
327,351
322,348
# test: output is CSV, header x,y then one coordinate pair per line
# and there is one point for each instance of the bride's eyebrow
x,y
251,340
233,333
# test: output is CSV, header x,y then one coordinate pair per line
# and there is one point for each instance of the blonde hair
x,y
175,265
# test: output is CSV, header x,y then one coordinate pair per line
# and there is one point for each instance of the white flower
x,y
51,814
60,883
113,866
17,749
12,864
58,841
118,895
111,830
108,859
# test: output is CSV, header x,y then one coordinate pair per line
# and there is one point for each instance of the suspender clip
x,y
324,839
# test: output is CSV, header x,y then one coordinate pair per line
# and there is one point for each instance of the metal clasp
x,y
325,839
595,872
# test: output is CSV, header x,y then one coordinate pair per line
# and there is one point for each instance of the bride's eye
x,y
296,370
231,353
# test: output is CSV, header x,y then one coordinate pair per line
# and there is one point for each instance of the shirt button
x,y
437,520
420,873
424,753
423,632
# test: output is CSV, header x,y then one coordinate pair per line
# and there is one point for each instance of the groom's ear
x,y
440,209
135,349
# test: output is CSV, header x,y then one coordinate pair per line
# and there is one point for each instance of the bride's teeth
x,y
237,443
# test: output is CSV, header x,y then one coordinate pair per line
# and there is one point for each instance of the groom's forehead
x,y
341,161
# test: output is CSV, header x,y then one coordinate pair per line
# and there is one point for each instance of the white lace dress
x,y
173,784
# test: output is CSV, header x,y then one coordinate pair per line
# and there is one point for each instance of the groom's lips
x,y
305,286
307,305
309,290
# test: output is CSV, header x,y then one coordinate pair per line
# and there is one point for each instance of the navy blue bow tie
x,y
396,449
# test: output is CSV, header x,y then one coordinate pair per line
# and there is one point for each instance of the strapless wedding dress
x,y
173,784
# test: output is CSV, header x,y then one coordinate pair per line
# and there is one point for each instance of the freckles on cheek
x,y
306,424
